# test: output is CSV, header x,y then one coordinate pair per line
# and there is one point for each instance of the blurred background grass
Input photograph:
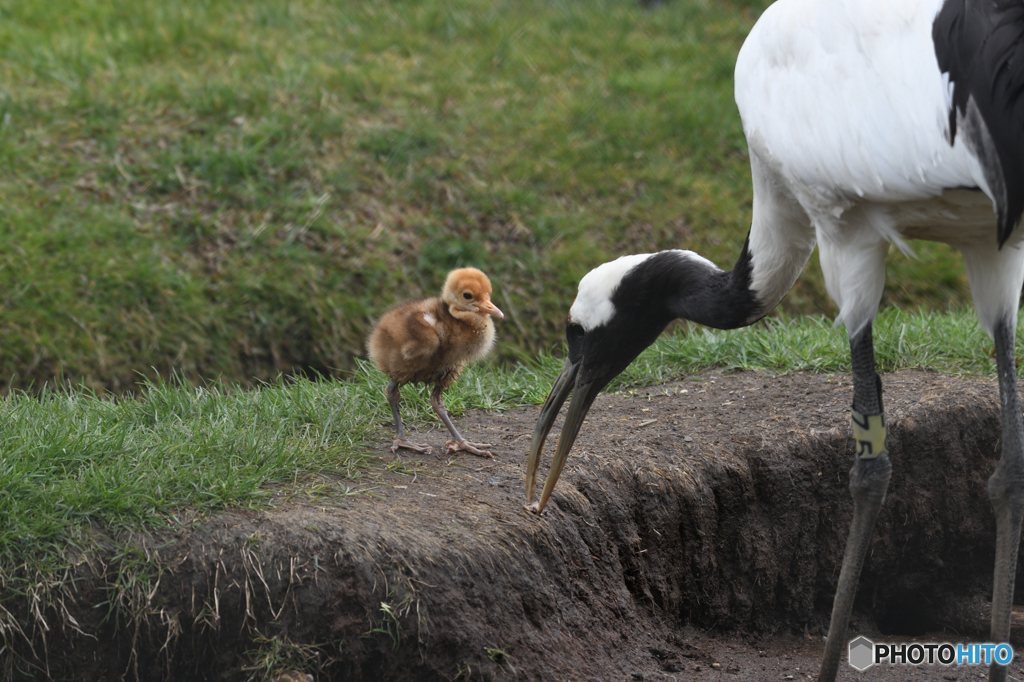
x,y
236,190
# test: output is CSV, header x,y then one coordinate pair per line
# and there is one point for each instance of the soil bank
x,y
696,533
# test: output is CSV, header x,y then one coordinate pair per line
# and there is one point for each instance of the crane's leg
x,y
458,442
996,276
1006,490
869,479
394,397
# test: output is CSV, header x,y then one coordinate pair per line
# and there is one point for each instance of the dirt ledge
x,y
693,520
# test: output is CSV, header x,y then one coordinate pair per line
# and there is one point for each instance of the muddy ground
x,y
696,533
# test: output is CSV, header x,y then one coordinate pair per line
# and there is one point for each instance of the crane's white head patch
x,y
593,306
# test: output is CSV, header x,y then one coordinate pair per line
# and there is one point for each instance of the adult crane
x,y
868,123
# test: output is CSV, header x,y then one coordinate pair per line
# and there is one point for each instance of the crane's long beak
x,y
559,392
583,397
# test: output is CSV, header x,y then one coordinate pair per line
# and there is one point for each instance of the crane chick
x,y
430,342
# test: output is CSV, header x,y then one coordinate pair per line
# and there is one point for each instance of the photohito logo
x,y
864,653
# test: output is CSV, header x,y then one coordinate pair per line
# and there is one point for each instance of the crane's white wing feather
x,y
844,98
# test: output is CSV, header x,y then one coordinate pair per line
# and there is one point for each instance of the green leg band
x,y
869,434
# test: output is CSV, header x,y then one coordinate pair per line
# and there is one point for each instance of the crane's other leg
x,y
996,276
395,397
869,479
1006,490
458,442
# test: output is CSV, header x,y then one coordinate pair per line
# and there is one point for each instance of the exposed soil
x,y
696,533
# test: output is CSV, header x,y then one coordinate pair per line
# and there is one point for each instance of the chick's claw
x,y
475,448
418,447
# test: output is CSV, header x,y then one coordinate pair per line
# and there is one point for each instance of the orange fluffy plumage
x,y
430,342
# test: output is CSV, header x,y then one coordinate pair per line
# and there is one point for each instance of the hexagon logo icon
x,y
862,653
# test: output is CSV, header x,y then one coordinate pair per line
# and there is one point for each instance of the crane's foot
x,y
1007,497
465,445
410,445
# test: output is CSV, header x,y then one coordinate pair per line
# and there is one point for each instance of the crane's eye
x,y
466,295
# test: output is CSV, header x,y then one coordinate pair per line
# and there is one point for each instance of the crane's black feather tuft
x,y
980,44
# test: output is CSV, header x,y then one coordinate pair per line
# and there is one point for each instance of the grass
x,y
235,190
951,342
275,655
74,461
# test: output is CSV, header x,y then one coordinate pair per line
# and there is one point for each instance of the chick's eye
x,y
466,295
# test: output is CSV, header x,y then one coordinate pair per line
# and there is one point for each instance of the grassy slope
x,y
237,189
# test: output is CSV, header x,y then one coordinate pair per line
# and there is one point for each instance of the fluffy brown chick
x,y
430,342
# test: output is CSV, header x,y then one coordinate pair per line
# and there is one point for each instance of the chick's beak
x,y
491,309
583,397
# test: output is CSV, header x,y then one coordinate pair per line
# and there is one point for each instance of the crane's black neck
x,y
679,284
726,300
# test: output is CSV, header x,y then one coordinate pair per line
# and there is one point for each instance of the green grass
x,y
75,462
234,190
949,342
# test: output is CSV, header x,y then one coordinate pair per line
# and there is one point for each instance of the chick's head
x,y
467,290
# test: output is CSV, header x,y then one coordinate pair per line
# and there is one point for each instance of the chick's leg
x,y
394,397
458,442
